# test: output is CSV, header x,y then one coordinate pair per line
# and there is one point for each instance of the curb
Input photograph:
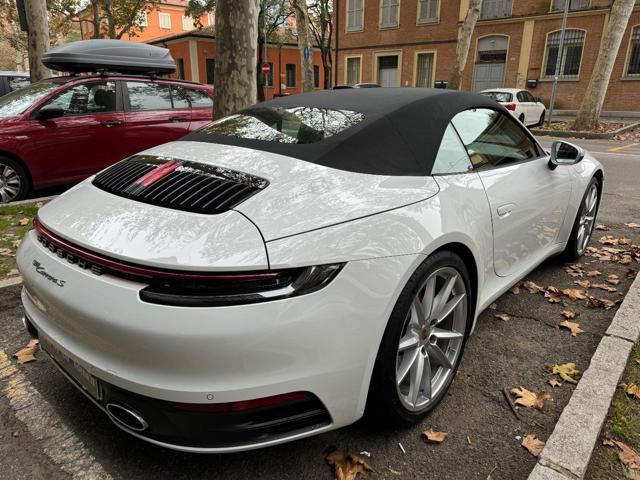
x,y
30,200
10,282
587,135
568,450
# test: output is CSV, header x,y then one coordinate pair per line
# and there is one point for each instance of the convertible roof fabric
x,y
400,134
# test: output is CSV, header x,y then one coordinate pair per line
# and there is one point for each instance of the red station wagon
x,y
61,130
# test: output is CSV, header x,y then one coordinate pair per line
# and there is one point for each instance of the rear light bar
x,y
510,106
195,289
244,405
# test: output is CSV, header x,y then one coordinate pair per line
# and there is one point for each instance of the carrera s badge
x,y
42,271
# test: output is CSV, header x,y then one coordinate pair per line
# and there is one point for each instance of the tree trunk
x,y
591,106
111,23
260,77
305,44
465,32
38,22
97,19
236,33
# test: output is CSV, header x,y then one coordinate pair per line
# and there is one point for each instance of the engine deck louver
x,y
179,184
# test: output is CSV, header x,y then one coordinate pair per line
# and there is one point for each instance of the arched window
x,y
633,68
570,56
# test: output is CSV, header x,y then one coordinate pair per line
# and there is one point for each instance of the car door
x,y
201,107
523,107
528,200
85,139
150,116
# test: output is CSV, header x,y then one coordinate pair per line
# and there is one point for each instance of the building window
x,y
316,76
187,23
210,65
424,70
389,13
164,20
142,20
268,79
496,9
570,56
354,15
558,5
180,65
428,11
633,69
353,70
291,75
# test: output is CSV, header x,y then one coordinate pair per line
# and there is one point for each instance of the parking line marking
x,y
623,147
59,443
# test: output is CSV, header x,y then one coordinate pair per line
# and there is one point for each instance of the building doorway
x,y
491,58
388,71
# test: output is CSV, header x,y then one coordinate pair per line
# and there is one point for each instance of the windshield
x,y
285,125
17,102
499,96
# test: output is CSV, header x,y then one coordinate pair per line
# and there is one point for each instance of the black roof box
x,y
110,55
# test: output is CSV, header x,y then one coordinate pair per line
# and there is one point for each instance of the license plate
x,y
88,382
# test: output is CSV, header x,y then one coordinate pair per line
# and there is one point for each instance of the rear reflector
x,y
244,405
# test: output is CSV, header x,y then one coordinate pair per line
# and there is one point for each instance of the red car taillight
x,y
510,106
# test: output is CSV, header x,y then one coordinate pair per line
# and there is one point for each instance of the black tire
x,y
542,118
7,194
572,251
521,118
383,403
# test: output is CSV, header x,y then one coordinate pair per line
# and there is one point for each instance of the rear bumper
x,y
324,343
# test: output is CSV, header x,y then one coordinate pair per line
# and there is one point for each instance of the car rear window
x,y
499,96
297,125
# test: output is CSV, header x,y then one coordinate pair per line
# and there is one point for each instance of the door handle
x,y
505,210
178,119
110,123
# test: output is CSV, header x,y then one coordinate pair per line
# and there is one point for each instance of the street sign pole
x,y
556,75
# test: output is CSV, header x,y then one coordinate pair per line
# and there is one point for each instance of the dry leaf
x,y
27,354
566,371
632,225
515,289
24,221
6,252
605,287
631,273
533,444
503,316
532,287
575,294
13,272
625,260
583,283
632,390
493,306
530,399
572,326
553,295
593,273
601,226
613,279
555,383
627,456
611,240
600,302
16,243
568,314
347,467
430,436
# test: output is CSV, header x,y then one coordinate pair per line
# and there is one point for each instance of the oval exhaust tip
x,y
127,417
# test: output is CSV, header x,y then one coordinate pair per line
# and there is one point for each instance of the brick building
x,y
515,42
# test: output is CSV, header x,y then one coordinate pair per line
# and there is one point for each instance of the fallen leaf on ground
x,y
532,287
600,302
601,226
593,273
27,354
555,383
530,399
632,225
13,272
611,240
553,295
533,444
515,289
6,252
627,455
583,283
613,279
632,390
631,273
566,371
574,293
430,436
24,221
493,306
347,467
605,287
16,243
572,326
568,314
503,316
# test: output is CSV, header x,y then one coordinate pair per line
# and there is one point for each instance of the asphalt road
x,y
48,429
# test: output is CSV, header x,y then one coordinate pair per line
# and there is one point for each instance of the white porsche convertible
x,y
287,268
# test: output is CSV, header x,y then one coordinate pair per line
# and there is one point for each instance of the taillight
x,y
244,405
510,106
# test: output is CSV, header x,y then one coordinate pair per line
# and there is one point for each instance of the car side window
x,y
529,97
198,98
87,98
493,139
179,98
148,96
452,156
522,97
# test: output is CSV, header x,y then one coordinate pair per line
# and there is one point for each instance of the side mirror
x,y
49,111
564,153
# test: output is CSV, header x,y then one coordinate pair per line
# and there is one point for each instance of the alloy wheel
x,y
432,338
588,212
10,183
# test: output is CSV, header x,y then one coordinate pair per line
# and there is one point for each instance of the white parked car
x,y
285,269
524,106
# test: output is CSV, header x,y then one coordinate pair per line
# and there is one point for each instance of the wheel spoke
x,y
407,362
443,295
436,353
415,379
426,378
409,341
428,298
448,308
442,334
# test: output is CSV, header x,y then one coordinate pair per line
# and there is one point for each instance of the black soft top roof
x,y
400,134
